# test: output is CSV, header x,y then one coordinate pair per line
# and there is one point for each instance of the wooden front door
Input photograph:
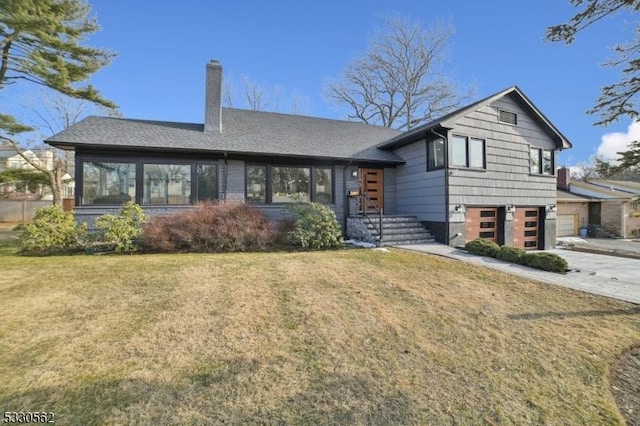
x,y
371,182
482,222
526,228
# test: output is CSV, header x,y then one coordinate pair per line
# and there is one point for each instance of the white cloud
x,y
615,142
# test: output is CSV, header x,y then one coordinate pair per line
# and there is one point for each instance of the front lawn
x,y
348,337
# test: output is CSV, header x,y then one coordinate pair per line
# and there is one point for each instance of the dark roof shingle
x,y
243,132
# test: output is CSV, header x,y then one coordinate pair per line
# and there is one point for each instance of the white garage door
x,y
566,225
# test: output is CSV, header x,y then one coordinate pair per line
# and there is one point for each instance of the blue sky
x,y
299,46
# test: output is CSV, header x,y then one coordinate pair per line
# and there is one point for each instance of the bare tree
x,y
399,81
253,94
50,113
249,94
585,170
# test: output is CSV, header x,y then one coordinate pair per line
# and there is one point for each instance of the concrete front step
x,y
396,229
409,242
400,230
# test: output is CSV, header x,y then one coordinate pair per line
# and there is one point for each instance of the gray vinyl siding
x,y
418,192
507,178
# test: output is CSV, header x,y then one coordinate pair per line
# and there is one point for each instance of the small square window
x,y
507,117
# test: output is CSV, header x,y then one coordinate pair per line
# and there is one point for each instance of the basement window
x,y
507,117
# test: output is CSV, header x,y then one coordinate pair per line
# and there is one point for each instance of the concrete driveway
x,y
600,274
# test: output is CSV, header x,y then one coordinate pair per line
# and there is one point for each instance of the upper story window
x,y
507,117
542,161
435,154
467,152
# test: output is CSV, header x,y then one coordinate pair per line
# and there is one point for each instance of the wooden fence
x,y
20,211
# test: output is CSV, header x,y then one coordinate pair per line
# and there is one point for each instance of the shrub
x,y
510,254
122,233
482,247
53,230
545,261
316,227
210,227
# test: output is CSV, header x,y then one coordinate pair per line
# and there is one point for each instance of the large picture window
x,y
288,184
167,184
468,152
435,154
108,182
542,161
148,183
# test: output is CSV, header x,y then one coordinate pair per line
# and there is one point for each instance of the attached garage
x,y
482,222
527,228
566,225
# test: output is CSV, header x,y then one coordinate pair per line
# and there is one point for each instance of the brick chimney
x,y
213,98
564,178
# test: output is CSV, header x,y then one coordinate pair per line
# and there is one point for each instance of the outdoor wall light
x,y
510,208
457,208
553,208
354,174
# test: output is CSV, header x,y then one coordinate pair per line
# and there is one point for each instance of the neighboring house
x,y
613,206
573,210
10,159
485,170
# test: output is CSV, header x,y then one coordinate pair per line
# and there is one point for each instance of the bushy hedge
x,y
122,233
482,247
315,227
52,231
545,261
539,260
510,254
210,227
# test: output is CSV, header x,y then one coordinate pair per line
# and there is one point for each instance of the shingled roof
x,y
243,132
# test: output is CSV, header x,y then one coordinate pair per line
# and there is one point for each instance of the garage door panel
x,y
526,228
482,222
566,225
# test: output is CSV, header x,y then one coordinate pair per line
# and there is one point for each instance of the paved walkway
x,y
610,276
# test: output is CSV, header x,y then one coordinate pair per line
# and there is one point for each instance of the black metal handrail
x,y
366,201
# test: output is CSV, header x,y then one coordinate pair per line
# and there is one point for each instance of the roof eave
x,y
131,148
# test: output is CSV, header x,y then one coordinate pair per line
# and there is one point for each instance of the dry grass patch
x,y
354,336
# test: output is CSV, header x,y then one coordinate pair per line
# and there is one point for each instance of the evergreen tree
x,y
41,43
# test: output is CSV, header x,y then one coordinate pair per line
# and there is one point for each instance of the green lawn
x,y
343,337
